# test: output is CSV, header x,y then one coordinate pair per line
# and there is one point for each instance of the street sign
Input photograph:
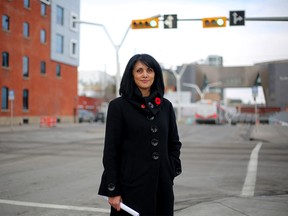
x,y
170,21
11,95
237,18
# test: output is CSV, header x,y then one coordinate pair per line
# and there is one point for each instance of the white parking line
x,y
54,206
250,180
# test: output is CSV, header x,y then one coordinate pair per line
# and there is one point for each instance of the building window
x,y
58,70
43,36
5,23
60,15
43,67
27,3
43,9
5,92
59,43
73,48
26,29
25,66
25,99
5,59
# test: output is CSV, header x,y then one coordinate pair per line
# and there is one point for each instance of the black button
x,y
150,117
154,129
150,105
154,142
111,187
155,155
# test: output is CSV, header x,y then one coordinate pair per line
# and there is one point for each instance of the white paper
x,y
126,208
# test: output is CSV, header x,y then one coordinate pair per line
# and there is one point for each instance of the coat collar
x,y
149,105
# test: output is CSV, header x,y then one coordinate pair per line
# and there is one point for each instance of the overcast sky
x,y
255,42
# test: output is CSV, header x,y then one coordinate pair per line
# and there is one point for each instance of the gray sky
x,y
240,46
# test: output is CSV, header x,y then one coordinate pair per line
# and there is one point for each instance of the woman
x,y
142,148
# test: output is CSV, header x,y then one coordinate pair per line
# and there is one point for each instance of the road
x,y
56,171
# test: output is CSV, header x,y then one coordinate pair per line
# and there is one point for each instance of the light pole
x,y
116,47
178,88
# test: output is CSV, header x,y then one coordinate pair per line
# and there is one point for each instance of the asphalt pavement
x,y
276,205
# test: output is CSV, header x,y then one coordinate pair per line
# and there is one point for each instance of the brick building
x,y
39,48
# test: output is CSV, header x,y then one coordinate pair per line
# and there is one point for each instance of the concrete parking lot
x,y
56,171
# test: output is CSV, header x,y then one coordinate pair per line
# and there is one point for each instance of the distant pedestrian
x,y
142,148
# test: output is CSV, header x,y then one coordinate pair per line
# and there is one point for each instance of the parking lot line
x,y
250,180
54,206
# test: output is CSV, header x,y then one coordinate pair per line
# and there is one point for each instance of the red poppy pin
x,y
157,101
142,106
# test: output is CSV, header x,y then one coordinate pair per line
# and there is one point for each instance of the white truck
x,y
209,112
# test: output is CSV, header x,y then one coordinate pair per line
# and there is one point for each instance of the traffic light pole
x,y
116,47
246,19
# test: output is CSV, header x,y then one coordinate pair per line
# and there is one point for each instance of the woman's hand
x,y
115,202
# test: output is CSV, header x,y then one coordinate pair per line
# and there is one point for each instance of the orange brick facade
x,y
49,94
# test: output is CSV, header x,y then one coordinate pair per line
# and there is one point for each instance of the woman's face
x,y
143,77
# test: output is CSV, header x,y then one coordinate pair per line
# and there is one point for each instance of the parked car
x,y
100,116
85,116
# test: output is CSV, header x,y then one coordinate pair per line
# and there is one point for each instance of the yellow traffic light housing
x,y
145,23
213,22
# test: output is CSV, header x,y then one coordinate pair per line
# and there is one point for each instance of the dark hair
x,y
127,85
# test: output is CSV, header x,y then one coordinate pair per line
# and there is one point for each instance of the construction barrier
x,y
48,121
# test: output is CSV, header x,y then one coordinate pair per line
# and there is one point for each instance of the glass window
x,y
5,23
27,3
5,59
43,9
60,43
43,67
58,70
73,48
43,36
60,15
25,99
5,92
25,66
26,29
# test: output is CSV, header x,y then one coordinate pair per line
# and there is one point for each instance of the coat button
x,y
154,142
154,129
111,187
151,105
155,155
150,117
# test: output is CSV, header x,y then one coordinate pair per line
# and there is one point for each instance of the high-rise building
x,y
39,45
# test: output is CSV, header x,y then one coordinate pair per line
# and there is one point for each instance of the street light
x,y
196,87
116,47
209,85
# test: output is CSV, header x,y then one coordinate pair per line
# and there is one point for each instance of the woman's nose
x,y
145,74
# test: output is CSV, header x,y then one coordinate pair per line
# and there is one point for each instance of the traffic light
x,y
145,23
213,22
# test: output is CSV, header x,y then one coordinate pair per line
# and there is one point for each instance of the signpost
x,y
11,97
255,94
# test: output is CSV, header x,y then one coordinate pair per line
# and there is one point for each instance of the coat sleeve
x,y
109,185
174,143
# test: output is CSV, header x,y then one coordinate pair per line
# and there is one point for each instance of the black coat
x,y
141,155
